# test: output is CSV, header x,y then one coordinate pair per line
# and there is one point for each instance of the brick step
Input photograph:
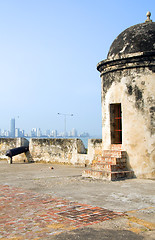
x,y
109,167
107,175
114,153
111,160
116,147
96,174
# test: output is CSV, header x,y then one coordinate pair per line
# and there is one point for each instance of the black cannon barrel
x,y
15,151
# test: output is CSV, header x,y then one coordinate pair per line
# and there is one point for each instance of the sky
x,y
49,50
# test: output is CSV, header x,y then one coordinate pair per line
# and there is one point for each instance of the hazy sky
x,y
49,50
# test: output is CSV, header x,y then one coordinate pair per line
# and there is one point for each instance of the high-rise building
x,y
38,132
74,132
54,133
17,132
33,132
22,133
12,128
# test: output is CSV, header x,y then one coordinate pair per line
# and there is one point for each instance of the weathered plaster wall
x,y
56,150
69,151
9,143
94,149
134,88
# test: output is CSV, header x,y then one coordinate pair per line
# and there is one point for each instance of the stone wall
x,y
94,149
56,150
67,151
9,143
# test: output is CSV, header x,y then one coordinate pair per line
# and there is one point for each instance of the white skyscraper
x,y
17,132
74,132
38,132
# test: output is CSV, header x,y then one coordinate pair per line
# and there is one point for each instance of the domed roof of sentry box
x,y
139,38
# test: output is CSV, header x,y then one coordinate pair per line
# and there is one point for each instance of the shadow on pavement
x,y
97,234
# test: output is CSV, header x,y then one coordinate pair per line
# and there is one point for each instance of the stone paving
x,y
25,214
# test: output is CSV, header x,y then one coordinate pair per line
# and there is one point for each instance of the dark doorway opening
x,y
116,123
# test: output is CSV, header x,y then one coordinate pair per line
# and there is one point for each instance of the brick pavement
x,y
29,215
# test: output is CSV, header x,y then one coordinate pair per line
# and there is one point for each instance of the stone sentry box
x,y
128,97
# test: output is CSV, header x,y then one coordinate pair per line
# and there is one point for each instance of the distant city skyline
x,y
37,132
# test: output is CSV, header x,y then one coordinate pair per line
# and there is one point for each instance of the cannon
x,y
15,151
